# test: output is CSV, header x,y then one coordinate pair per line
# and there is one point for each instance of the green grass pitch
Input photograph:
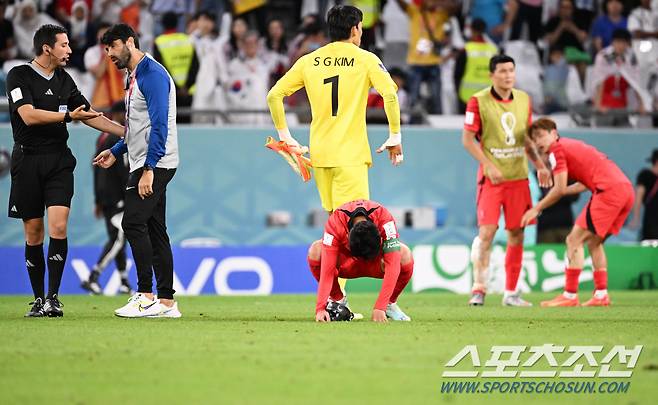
x,y
267,350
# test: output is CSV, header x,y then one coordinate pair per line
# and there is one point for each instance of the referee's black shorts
x,y
40,177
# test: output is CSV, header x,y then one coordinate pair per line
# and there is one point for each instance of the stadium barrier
x,y
228,183
265,270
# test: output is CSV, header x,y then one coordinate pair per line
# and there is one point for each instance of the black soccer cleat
x,y
37,309
52,307
339,312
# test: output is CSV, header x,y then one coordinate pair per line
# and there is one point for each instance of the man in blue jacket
x,y
152,145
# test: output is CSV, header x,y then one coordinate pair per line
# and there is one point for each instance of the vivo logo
x,y
219,270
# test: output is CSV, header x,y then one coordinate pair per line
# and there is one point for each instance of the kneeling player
x,y
611,202
361,240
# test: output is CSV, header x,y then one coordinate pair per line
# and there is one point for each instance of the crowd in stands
x,y
594,59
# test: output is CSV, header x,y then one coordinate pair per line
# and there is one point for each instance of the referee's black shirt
x,y
26,85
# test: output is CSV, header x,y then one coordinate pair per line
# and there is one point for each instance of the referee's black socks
x,y
57,251
36,268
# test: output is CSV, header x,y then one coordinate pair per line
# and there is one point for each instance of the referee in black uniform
x,y
42,99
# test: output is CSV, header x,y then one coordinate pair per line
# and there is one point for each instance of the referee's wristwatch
x,y
148,168
67,117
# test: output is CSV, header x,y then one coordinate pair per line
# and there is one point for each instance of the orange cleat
x,y
561,301
598,302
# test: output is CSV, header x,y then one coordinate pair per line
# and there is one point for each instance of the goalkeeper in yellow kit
x,y
337,78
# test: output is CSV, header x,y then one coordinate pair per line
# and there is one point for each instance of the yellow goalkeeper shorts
x,y
339,185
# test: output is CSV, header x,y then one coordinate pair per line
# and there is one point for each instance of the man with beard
x,y
152,145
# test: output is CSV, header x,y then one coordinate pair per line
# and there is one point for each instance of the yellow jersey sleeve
x,y
292,81
386,87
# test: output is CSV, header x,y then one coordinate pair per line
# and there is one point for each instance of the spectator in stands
x,y
584,13
427,38
275,49
307,20
528,13
109,81
184,9
175,51
472,64
578,86
205,34
606,24
396,34
314,37
643,25
646,193
109,11
371,14
562,30
233,46
248,83
7,40
82,34
212,69
61,10
26,22
494,14
139,17
376,101
555,81
615,78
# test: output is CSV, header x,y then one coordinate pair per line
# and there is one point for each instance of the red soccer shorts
x,y
512,196
606,211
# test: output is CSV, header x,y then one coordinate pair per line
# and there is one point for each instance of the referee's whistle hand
x,y
79,114
105,159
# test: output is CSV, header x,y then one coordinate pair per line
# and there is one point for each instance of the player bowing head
x,y
360,240
365,241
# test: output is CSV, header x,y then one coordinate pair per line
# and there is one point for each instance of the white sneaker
x,y
166,312
394,312
138,306
515,300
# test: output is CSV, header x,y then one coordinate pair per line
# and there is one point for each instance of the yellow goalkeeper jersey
x,y
337,78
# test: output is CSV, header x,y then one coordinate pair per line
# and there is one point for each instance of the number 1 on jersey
x,y
334,93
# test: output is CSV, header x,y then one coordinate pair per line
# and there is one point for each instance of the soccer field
x,y
268,350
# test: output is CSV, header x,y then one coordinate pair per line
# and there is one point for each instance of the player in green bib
x,y
497,118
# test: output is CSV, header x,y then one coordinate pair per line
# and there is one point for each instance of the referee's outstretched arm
x,y
36,116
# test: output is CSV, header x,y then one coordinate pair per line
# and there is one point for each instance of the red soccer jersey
x,y
585,164
335,242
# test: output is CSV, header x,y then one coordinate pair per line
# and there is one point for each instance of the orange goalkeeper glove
x,y
299,163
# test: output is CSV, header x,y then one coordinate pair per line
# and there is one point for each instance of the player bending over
x,y
361,240
611,202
